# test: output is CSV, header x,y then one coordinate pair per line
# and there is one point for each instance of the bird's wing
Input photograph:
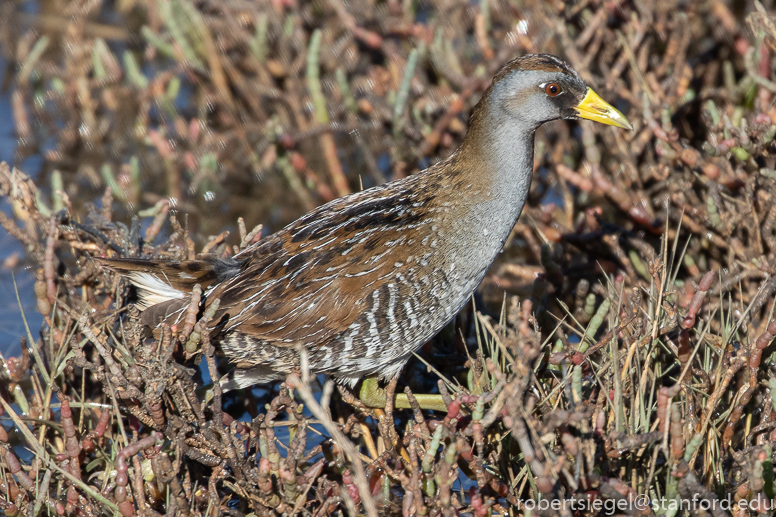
x,y
312,280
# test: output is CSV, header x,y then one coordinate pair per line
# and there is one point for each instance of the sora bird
x,y
363,281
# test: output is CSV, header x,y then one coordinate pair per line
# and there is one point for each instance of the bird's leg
x,y
372,395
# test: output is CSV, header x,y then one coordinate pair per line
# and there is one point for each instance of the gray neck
x,y
506,157
509,152
491,191
485,187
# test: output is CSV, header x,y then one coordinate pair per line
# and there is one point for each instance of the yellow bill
x,y
595,108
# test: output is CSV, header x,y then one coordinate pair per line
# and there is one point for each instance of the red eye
x,y
553,89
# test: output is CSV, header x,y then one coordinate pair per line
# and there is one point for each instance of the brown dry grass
x,y
638,361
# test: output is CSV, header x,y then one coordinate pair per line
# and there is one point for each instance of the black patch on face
x,y
573,93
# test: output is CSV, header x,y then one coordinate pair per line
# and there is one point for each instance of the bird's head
x,y
538,88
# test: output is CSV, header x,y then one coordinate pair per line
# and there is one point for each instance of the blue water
x,y
11,323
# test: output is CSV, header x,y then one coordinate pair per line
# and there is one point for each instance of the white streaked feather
x,y
240,378
152,289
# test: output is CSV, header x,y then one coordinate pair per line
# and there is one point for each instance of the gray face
x,y
538,96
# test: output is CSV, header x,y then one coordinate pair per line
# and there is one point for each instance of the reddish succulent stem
x,y
72,447
697,299
15,468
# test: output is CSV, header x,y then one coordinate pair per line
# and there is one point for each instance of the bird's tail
x,y
158,282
